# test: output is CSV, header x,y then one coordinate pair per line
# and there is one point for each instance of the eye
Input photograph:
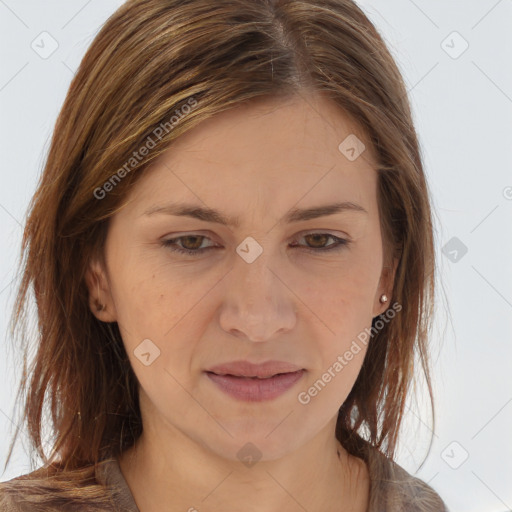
x,y
191,244
318,241
193,248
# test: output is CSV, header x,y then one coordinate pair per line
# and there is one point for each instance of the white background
x,y
462,105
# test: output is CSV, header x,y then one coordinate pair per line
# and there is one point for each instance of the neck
x,y
183,475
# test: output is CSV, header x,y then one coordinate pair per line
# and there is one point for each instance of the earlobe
x,y
385,291
382,305
100,300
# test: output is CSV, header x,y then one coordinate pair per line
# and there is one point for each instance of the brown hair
x,y
150,59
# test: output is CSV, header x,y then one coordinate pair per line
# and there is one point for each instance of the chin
x,y
254,443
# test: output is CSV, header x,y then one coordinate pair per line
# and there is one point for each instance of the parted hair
x,y
150,60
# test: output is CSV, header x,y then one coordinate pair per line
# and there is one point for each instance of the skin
x,y
256,162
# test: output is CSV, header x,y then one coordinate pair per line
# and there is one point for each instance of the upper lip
x,y
248,369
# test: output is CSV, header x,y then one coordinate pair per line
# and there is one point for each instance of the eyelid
x,y
333,232
326,231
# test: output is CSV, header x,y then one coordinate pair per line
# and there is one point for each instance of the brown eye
x,y
317,242
192,246
187,244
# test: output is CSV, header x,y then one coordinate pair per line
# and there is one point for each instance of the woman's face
x,y
275,285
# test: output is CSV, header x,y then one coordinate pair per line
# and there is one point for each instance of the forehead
x,y
273,128
272,153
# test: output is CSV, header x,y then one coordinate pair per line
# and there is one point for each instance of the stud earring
x,y
383,298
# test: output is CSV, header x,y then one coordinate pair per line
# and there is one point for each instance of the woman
x,y
231,250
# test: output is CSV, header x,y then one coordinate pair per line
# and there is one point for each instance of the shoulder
x,y
83,489
415,494
12,495
6,502
393,488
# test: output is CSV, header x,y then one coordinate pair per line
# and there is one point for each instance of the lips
x,y
255,383
247,369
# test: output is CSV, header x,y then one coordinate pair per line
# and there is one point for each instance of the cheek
x,y
341,296
341,357
157,303
326,389
149,295
341,301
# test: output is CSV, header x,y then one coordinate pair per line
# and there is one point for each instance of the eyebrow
x,y
211,215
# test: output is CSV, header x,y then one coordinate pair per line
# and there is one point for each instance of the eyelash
x,y
170,244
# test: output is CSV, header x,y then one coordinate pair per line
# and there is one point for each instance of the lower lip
x,y
256,390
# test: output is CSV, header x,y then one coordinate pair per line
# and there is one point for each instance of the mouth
x,y
255,383
250,370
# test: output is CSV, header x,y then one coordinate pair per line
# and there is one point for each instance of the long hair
x,y
155,70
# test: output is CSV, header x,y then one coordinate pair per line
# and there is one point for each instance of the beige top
x,y
398,491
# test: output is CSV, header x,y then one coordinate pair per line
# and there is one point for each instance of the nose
x,y
258,303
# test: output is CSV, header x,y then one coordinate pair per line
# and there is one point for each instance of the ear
x,y
100,297
387,280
